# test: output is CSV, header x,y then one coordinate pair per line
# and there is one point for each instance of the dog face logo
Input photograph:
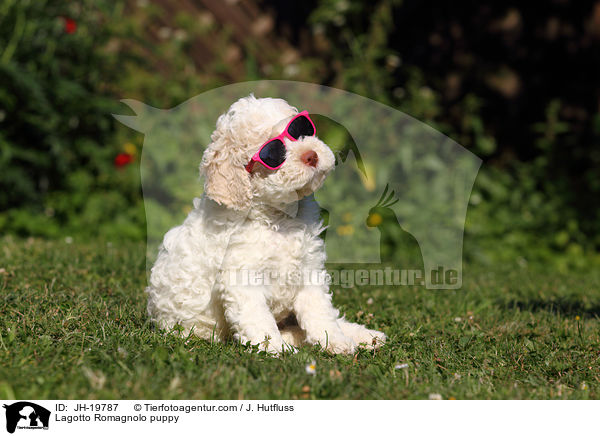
x,y
26,415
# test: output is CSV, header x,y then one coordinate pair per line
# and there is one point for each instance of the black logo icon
x,y
26,415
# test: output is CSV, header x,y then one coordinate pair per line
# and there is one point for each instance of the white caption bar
x,y
120,417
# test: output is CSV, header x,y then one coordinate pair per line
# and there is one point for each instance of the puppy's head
x,y
240,132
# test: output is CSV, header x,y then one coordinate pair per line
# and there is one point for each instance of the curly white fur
x,y
263,222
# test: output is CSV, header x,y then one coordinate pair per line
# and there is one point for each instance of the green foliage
x,y
538,208
57,135
530,212
534,201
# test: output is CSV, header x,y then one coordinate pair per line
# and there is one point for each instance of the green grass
x,y
72,326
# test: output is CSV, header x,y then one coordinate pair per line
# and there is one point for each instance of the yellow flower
x,y
345,230
374,220
368,179
577,318
130,148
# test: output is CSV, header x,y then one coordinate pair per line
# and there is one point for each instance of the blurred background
x,y
515,83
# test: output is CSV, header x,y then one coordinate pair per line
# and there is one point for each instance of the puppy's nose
x,y
310,158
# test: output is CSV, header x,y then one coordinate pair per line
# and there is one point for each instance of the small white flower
x,y
435,397
458,319
370,301
69,240
401,366
311,368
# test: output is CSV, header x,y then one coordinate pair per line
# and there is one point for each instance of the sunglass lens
x,y
301,126
273,153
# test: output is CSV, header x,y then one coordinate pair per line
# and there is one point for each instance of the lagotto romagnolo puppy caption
x,y
256,219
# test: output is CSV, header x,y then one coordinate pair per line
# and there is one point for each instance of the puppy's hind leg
x,y
291,332
293,335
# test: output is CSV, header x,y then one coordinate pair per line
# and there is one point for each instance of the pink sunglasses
x,y
272,153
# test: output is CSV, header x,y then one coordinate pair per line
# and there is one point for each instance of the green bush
x,y
538,203
65,65
57,136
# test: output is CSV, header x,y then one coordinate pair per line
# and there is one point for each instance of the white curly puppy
x,y
257,220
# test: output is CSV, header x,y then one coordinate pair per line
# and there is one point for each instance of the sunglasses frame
x,y
281,137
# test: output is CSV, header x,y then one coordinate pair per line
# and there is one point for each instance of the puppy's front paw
x,y
268,345
337,344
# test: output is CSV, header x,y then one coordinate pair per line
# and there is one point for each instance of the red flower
x,y
123,159
70,25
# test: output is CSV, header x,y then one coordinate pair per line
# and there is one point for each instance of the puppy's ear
x,y
226,180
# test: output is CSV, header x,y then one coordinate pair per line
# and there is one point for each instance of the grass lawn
x,y
73,326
